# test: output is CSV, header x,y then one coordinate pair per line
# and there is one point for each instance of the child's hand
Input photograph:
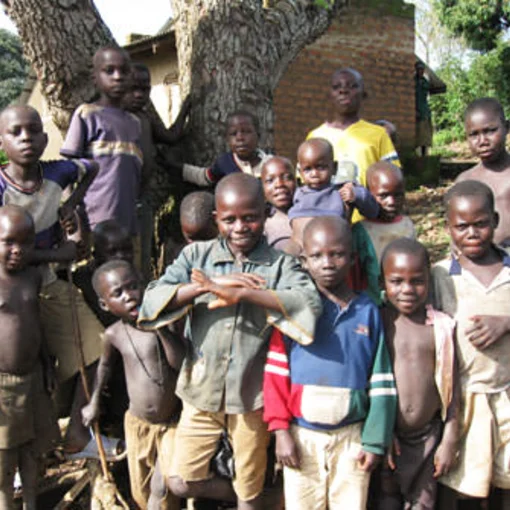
x,y
227,295
89,414
393,451
486,330
367,461
246,280
67,219
444,458
347,193
286,449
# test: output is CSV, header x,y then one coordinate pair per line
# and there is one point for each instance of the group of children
x,y
308,313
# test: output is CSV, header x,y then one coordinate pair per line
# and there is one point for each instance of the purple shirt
x,y
110,136
327,201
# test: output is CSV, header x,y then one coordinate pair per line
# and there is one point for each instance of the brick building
x,y
376,38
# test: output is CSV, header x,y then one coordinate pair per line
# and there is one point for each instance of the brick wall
x,y
376,38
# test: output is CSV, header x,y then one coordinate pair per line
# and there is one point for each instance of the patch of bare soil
x,y
425,207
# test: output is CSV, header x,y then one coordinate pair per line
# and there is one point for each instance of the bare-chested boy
x,y
486,131
151,363
27,429
421,344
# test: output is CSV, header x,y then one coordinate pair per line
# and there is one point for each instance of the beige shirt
x,y
459,293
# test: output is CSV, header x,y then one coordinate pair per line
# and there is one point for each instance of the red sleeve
x,y
277,384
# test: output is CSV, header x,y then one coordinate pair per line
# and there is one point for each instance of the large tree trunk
x,y
59,40
232,55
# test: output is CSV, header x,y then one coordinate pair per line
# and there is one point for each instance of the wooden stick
x,y
79,347
73,492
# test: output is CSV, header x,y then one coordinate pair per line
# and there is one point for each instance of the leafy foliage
x,y
481,22
326,4
13,68
488,75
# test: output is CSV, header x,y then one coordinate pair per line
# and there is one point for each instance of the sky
x,y
124,16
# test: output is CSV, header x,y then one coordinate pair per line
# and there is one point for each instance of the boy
x,y
332,403
473,286
152,132
197,217
27,429
370,236
244,155
197,224
110,242
486,131
279,182
250,286
107,133
356,143
420,341
37,186
151,364
318,196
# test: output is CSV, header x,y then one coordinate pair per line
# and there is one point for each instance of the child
x,y
332,403
27,427
420,341
250,286
197,224
197,217
153,132
370,236
486,131
110,242
356,143
151,364
279,182
318,196
244,155
37,186
473,286
107,133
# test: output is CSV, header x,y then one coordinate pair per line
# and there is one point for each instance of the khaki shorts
x,y
197,439
57,324
329,476
484,447
26,412
146,443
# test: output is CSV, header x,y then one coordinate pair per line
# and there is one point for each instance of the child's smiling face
x,y
240,216
406,281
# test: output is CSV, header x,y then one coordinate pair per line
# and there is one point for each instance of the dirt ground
x,y
425,207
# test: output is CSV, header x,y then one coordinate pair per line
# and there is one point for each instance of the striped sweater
x,y
343,377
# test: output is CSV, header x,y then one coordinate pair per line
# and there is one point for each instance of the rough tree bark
x,y
59,39
232,55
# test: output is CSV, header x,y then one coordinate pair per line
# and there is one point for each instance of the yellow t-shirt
x,y
355,149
